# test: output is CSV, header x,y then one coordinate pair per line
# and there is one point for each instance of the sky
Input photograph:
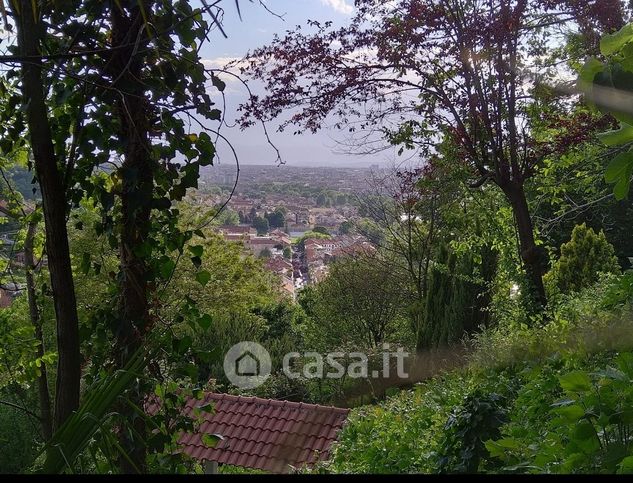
x,y
254,30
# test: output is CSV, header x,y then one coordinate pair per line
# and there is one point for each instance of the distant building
x,y
280,266
237,230
257,244
296,230
281,237
320,252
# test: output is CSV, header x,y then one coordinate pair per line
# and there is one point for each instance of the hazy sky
x,y
256,29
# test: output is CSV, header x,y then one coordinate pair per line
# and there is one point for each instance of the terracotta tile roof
x,y
262,240
265,434
235,229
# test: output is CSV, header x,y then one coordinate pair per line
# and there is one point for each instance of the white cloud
x,y
218,62
341,6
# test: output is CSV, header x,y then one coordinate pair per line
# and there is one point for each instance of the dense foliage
x,y
581,260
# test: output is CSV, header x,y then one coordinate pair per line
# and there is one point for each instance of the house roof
x,y
264,434
263,241
278,264
234,229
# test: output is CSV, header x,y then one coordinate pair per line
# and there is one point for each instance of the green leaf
x,y
617,137
611,43
585,437
627,54
576,381
196,250
211,440
571,413
623,117
203,277
588,73
619,172
167,267
498,449
218,83
182,345
207,408
625,363
158,441
626,466
205,321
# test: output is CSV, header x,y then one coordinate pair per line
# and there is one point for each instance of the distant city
x,y
298,218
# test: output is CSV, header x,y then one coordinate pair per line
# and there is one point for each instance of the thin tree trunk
x,y
531,256
42,380
137,177
30,32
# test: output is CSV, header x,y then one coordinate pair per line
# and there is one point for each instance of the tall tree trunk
x,y
30,33
531,255
42,380
137,174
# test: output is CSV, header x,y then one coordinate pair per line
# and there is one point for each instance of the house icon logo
x,y
247,365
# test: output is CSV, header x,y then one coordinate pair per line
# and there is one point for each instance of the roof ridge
x,y
273,402
277,430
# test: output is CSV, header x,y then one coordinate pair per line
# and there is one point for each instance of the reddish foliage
x,y
459,66
572,131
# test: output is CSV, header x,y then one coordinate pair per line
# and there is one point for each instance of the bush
x,y
571,421
401,434
468,426
595,319
19,438
582,258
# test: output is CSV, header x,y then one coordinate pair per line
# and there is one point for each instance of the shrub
x,y
577,421
595,319
582,258
400,435
468,426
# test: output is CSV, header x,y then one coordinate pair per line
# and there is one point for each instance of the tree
x,y
346,228
357,305
311,234
458,297
404,221
321,229
252,214
228,217
134,152
424,70
276,219
581,260
321,199
261,225
32,32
